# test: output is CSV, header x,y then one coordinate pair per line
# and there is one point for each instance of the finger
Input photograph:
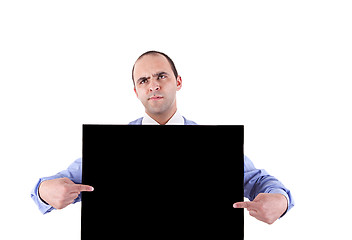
x,y
242,204
253,213
69,200
82,188
85,188
74,195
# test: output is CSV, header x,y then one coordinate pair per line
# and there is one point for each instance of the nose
x,y
154,86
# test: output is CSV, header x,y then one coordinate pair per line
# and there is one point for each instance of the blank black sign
x,y
162,182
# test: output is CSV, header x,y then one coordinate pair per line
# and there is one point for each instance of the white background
x,y
281,68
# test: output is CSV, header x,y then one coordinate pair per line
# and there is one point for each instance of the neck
x,y
163,118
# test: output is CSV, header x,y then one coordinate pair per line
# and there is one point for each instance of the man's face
x,y
156,85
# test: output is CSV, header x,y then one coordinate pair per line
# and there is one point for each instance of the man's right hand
x,y
61,192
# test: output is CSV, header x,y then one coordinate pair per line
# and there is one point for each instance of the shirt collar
x,y
176,119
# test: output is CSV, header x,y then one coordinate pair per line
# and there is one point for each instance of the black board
x,y
162,182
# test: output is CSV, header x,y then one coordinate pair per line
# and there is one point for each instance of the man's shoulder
x,y
189,122
136,122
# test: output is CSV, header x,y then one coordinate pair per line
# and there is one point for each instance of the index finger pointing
x,y
242,204
84,188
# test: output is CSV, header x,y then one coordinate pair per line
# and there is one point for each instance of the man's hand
x,y
61,192
266,207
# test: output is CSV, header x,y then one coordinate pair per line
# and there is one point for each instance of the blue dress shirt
x,y
255,180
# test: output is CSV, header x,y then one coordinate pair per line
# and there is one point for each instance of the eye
x,y
161,76
143,81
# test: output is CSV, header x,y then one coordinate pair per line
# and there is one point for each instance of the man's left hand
x,y
266,207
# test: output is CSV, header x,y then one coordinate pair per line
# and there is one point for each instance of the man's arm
x,y
57,190
270,198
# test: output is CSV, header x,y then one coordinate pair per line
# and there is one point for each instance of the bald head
x,y
155,53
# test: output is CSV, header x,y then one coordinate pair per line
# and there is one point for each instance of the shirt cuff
x,y
42,206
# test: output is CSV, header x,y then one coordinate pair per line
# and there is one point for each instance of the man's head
x,y
172,65
156,81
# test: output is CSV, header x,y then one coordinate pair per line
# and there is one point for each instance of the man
x,y
156,82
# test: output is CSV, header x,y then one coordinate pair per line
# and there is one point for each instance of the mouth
x,y
154,98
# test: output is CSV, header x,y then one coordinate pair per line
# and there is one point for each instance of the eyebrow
x,y
154,75
160,73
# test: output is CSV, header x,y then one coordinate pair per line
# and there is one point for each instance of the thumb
x,y
84,188
242,204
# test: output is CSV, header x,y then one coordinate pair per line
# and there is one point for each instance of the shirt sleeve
x,y
259,181
73,172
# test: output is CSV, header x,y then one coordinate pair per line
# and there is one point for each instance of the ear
x,y
135,91
178,83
